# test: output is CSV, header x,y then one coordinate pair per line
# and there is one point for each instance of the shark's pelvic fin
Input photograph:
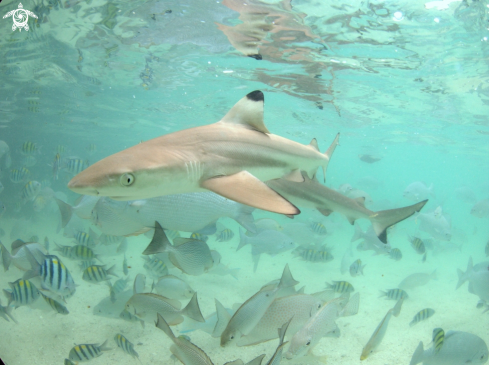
x,y
294,175
248,112
244,188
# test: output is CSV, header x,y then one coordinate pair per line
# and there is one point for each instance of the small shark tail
x,y
385,218
244,217
418,355
464,276
159,243
243,240
66,212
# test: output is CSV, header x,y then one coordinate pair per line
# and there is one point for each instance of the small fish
x,y
60,149
87,239
28,148
125,268
340,286
125,345
18,175
29,161
418,245
199,237
480,209
395,254
417,191
117,287
81,252
108,239
458,348
225,235
30,190
394,294
6,313
84,264
147,305
370,158
92,148
55,276
380,331
172,287
318,228
76,165
356,268
56,166
313,254
182,348
97,273
156,266
126,316
57,306
191,256
23,293
87,352
422,315
417,279
438,339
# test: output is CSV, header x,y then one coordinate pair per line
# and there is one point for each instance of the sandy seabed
x,y
44,337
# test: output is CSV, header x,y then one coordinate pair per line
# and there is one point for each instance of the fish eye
x,y
232,337
127,179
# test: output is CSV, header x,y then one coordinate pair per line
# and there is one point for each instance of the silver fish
x,y
380,331
417,191
251,311
478,278
356,268
191,256
236,163
417,279
183,349
173,287
458,348
147,305
18,256
480,209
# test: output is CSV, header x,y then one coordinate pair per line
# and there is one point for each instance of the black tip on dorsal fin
x,y
256,95
256,56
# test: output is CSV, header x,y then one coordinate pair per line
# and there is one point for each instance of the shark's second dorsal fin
x,y
314,143
248,112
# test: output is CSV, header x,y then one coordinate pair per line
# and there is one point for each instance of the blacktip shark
x,y
312,194
231,158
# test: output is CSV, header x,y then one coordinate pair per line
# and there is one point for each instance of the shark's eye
x,y
127,179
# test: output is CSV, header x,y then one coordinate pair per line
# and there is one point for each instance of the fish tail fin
x,y
287,280
358,234
94,237
6,257
66,211
255,257
35,266
8,312
104,346
9,295
111,271
245,218
351,308
243,240
385,218
162,325
159,243
418,354
382,294
223,318
192,310
464,276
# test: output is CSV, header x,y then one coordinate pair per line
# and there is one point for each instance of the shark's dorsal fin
x,y
248,112
314,143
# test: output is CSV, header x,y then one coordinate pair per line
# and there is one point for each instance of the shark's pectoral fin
x,y
247,189
295,176
325,212
248,112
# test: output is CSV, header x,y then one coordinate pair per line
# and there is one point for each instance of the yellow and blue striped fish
x,y
83,238
156,266
418,245
30,190
422,315
18,175
125,345
29,148
394,294
318,228
92,148
60,149
199,237
65,250
82,252
76,165
438,339
395,254
87,352
340,286
97,273
127,316
23,293
314,255
55,276
225,235
57,306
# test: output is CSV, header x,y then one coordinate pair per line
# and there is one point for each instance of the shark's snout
x,y
79,186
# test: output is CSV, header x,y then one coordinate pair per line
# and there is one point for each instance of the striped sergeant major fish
x,y
18,176
125,345
57,306
87,352
30,190
97,273
75,165
422,315
22,292
55,276
394,294
224,235
340,287
29,148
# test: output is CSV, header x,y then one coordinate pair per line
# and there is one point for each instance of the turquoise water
x,y
402,82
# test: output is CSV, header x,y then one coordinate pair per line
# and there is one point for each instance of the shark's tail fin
x,y
385,218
